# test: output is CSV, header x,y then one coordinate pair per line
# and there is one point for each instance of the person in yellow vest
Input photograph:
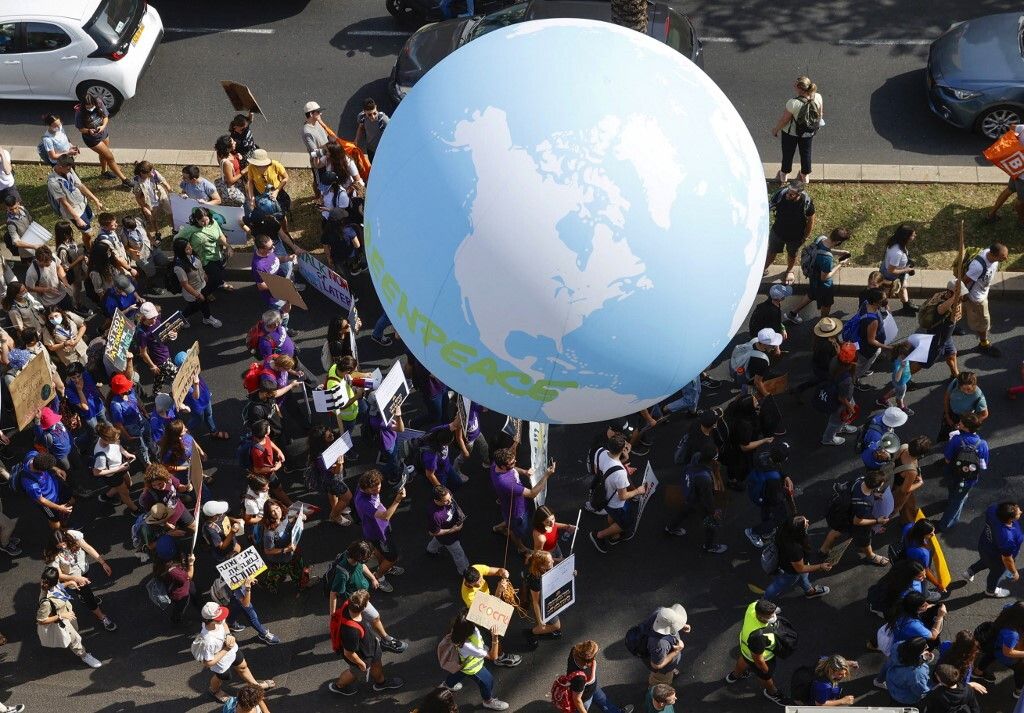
x,y
352,406
757,648
474,580
473,653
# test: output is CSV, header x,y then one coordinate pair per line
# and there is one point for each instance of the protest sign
x,y
939,565
32,389
922,344
283,289
464,406
327,400
538,457
558,589
513,428
837,552
228,217
167,331
119,340
892,330
35,235
187,374
241,97
392,392
651,481
245,565
339,447
329,283
488,611
195,477
353,322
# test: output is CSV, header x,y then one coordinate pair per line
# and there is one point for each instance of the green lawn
x,y
870,210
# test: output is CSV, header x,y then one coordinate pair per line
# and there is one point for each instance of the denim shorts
x,y
623,517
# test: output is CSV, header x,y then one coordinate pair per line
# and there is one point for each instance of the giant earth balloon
x,y
566,221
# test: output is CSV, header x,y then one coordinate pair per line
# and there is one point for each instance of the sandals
x,y
877,560
789,279
266,684
219,696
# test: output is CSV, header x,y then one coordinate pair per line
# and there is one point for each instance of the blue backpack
x,y
15,482
851,330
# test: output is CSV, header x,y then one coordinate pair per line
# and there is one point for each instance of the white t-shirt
x,y
254,502
894,257
6,179
213,643
793,107
614,481
106,458
68,562
982,277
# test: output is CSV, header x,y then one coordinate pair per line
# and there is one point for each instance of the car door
x,y
51,59
12,73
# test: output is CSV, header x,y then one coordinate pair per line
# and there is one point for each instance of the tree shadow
x,y
351,40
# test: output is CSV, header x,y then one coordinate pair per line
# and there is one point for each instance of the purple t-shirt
x,y
437,461
509,491
367,506
146,337
271,263
473,427
284,343
387,434
443,517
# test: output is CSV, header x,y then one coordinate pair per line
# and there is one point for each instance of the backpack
x,y
244,451
138,544
636,641
928,318
742,353
801,684
331,573
859,443
826,398
561,691
808,119
851,329
251,377
448,655
338,620
158,593
171,283
599,497
809,254
839,514
254,335
770,555
679,457
967,460
786,638
968,259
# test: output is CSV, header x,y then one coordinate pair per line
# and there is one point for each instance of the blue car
x,y
975,74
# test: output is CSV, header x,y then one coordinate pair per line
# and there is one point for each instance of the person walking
x,y
839,386
444,525
618,495
967,458
852,511
376,524
584,690
825,266
952,695
66,550
56,623
794,221
908,678
661,698
209,244
353,574
978,279
701,485
871,337
195,290
473,655
998,547
896,265
360,648
758,644
93,120
792,546
803,116
218,651
538,563
67,191
769,312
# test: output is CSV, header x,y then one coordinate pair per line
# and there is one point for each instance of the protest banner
x,y
538,457
283,289
339,447
32,389
228,217
187,374
119,340
558,589
392,392
651,481
245,565
488,612
329,283
241,97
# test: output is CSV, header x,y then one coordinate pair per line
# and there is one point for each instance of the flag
x,y
1007,153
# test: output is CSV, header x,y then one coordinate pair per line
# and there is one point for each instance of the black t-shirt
x,y
790,552
579,683
532,583
791,216
365,644
822,354
861,505
765,314
758,366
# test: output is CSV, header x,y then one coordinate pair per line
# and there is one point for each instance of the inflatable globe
x,y
566,221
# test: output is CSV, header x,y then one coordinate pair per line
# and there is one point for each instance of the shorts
x,y
758,672
93,140
623,517
1017,186
978,318
776,242
239,660
941,350
387,547
335,487
861,535
113,481
359,673
521,527
86,218
823,295
56,515
186,519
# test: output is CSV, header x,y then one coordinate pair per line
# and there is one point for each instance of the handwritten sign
x,y
513,428
327,400
339,447
187,374
245,565
283,289
538,457
490,612
32,389
229,218
329,283
558,589
119,341
392,392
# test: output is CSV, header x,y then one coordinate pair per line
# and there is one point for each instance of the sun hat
x,y
158,514
212,508
828,327
120,384
893,417
48,419
148,310
669,620
259,157
212,611
769,336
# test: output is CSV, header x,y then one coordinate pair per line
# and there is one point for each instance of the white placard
x,y
651,481
327,282
339,447
892,330
558,589
538,457
922,344
230,217
391,392
327,400
244,565
35,235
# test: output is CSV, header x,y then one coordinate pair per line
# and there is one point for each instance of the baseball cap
x,y
123,283
780,292
47,418
619,426
120,384
310,106
148,310
212,611
769,336
795,184
163,402
212,508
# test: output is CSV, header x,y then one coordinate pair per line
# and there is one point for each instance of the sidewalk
x,y
851,280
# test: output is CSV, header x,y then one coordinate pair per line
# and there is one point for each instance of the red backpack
x,y
256,371
255,334
561,691
338,620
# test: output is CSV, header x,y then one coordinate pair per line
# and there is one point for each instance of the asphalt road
x,y
148,668
867,59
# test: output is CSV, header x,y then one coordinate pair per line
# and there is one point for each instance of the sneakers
x,y
754,539
10,549
213,322
342,520
508,660
836,441
395,646
532,642
109,624
733,678
675,531
497,705
709,384
715,549
598,545
384,341
907,410
456,687
968,575
384,585
793,317
590,508
270,640
861,386
819,590
235,626
774,696
346,691
19,708
90,660
396,570
1000,593
388,684
847,428
878,683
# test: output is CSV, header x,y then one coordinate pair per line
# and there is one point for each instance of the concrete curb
x,y
851,280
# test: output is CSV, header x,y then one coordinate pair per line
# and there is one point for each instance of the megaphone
x,y
889,442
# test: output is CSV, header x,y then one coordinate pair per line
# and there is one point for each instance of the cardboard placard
x,y
187,373
339,447
558,589
837,552
32,389
241,97
392,392
119,341
489,612
245,565
538,457
329,283
283,289
228,217
777,386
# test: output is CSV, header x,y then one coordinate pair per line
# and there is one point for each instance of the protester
x,y
952,695
871,337
194,287
978,279
758,644
266,180
473,656
45,483
57,624
444,525
199,401
129,416
792,545
370,125
843,408
360,648
110,464
376,523
917,540
67,191
852,512
547,530
66,550
939,316
584,688
194,186
239,602
769,312
152,194
218,651
962,396
281,531
19,219
240,130
92,119
800,120
512,495
794,221
352,574
537,563
330,480
897,267
55,143
219,532
821,288
998,546
210,246
967,459
661,698
700,484
907,480
908,679
829,672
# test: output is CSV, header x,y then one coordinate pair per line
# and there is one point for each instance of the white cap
x,y
148,310
894,417
769,336
212,611
310,106
951,285
214,507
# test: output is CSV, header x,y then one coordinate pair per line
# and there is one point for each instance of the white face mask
x,y
775,618
56,319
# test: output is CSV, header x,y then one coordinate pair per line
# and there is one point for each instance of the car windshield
x,y
497,20
678,34
112,21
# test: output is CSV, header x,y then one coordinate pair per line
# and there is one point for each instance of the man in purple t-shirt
x,y
444,522
512,495
475,441
376,522
265,260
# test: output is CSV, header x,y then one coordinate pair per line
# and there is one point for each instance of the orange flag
x,y
1007,153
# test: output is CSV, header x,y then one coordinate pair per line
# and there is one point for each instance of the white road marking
x,y
234,30
721,40
884,43
378,33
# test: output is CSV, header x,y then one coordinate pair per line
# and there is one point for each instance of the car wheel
x,y
404,12
102,91
996,121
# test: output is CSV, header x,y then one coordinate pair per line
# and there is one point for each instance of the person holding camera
x,y
824,268
897,266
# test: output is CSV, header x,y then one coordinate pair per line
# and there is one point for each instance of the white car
x,y
67,49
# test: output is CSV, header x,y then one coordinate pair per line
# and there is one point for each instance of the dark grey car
x,y
432,43
975,74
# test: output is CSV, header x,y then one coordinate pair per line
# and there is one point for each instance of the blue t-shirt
x,y
823,691
41,485
125,410
56,439
202,190
93,398
115,300
916,552
998,539
158,423
823,263
187,443
955,442
204,399
908,628
904,378
1009,639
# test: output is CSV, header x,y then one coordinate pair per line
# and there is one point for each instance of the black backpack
x,y
636,641
786,638
808,119
967,462
328,579
839,515
862,433
598,492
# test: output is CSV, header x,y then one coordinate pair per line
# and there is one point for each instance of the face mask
x,y
775,618
56,319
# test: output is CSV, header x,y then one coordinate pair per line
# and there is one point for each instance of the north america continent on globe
x,y
566,221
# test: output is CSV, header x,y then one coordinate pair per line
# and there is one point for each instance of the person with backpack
x,y
1001,643
579,686
820,260
770,488
217,650
904,577
195,289
159,486
46,484
353,406
967,459
700,485
792,546
852,512
977,277
219,532
176,574
952,695
794,221
55,142
657,642
349,574
473,655
376,523
998,546
836,396
56,623
769,312
866,329
46,279
963,396
939,317
269,336
908,678
759,646
746,433
803,116
360,648
66,550
266,459
612,493
69,197
750,361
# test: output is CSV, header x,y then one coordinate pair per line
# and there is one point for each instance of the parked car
x,y
68,49
975,74
432,43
